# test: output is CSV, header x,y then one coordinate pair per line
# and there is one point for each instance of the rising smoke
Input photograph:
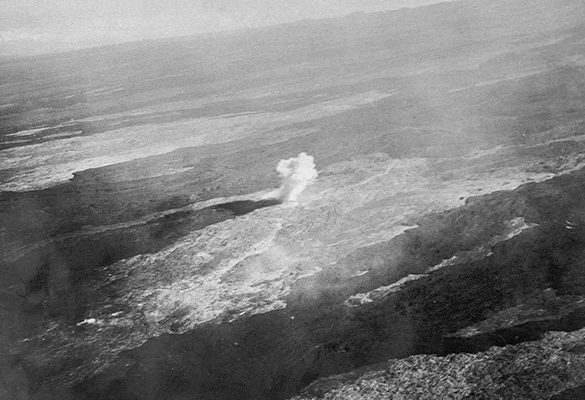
x,y
296,174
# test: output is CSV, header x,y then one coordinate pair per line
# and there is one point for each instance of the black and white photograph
x,y
292,199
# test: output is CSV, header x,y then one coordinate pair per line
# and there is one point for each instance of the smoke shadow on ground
x,y
243,207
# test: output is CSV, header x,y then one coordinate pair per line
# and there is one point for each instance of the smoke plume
x,y
296,174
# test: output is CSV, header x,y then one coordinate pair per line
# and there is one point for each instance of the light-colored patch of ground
x,y
26,132
379,293
46,164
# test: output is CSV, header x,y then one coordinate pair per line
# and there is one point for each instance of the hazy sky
x,y
40,26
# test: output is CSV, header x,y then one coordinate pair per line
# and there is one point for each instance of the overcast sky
x,y
41,26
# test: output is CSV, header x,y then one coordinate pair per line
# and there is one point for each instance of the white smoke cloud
x,y
296,173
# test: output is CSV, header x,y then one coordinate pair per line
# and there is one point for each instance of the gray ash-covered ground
x,y
143,254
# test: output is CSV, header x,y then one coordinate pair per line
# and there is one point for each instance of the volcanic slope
x,y
141,260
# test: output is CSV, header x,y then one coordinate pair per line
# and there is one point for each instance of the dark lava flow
x,y
274,355
577,393
243,207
